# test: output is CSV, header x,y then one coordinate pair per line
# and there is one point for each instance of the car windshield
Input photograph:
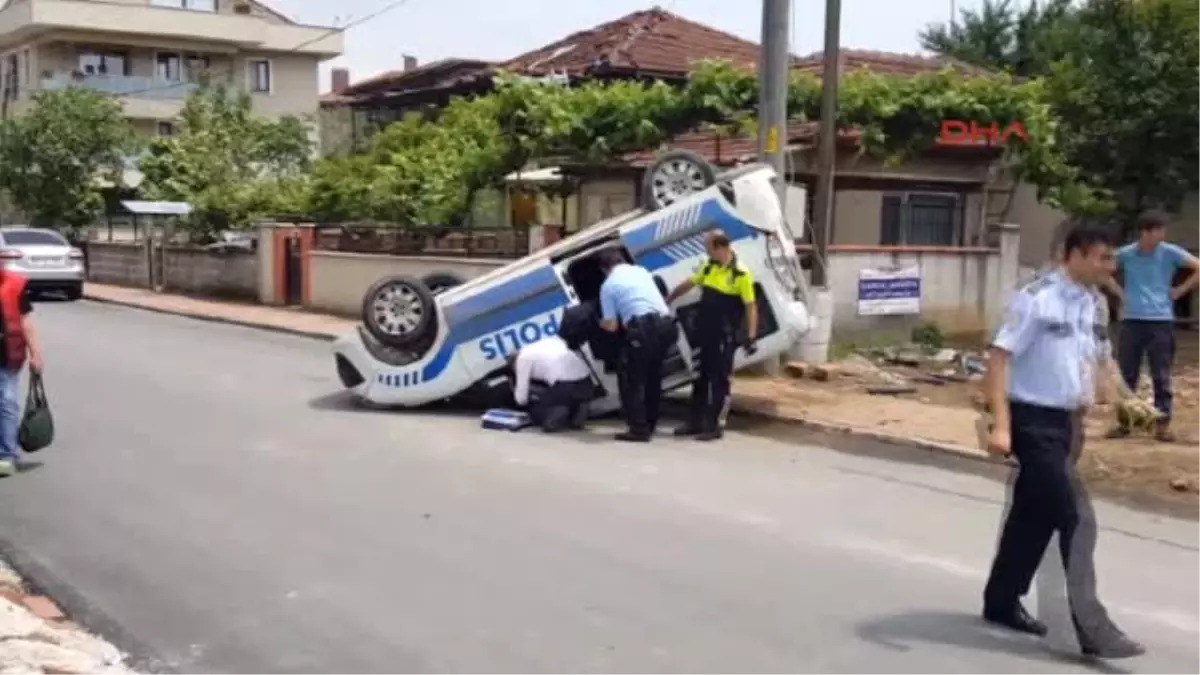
x,y
33,237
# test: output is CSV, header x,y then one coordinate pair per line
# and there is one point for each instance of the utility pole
x,y
827,143
773,75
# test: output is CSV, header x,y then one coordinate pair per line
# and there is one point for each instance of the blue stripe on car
x,y
539,290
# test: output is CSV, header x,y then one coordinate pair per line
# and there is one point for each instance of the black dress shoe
x,y
632,437
711,435
1015,618
1118,647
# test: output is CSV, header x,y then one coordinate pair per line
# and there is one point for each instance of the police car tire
x,y
649,200
425,329
440,281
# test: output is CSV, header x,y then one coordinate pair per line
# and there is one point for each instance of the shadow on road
x,y
900,632
26,466
342,402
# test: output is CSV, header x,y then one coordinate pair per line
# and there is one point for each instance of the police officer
x,y
726,300
631,303
1040,376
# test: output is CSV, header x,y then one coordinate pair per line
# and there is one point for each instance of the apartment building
x,y
153,53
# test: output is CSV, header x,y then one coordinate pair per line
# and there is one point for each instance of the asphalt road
x,y
211,497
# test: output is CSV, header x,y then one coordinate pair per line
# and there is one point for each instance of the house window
x,y
165,129
193,5
12,84
196,66
103,63
920,219
260,75
167,67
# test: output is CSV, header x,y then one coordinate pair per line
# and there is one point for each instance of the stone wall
x,y
117,263
183,270
199,272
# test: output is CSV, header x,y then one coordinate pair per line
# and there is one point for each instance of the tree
x,y
54,159
1126,93
421,171
1001,37
228,163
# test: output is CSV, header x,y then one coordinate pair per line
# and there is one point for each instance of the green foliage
x,y
1127,93
421,171
1002,37
54,158
228,163
1121,78
929,336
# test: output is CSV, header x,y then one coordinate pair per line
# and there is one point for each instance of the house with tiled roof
x,y
946,197
352,111
652,44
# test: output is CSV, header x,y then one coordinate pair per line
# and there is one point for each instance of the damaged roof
x,y
650,42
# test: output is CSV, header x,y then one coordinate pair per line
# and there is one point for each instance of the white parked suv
x,y
415,346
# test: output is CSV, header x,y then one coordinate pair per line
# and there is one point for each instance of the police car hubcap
x,y
675,180
398,309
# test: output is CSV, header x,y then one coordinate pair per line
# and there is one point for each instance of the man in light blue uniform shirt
x,y
1147,269
632,303
1041,374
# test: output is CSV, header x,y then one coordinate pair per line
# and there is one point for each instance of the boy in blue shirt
x,y
1147,268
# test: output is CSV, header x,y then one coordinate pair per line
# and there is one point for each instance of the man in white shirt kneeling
x,y
562,401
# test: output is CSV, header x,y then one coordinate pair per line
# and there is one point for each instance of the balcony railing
x,y
123,85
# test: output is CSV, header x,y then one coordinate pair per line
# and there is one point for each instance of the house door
x,y
293,271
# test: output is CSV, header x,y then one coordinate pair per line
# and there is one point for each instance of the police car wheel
x,y
673,176
441,281
399,311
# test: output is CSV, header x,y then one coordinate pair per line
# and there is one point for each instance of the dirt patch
x,y
939,401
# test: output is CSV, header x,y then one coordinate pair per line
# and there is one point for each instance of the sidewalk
x,y
36,637
281,319
900,421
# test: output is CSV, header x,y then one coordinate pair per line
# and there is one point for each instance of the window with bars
x,y
921,219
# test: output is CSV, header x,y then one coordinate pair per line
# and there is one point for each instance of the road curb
x,y
743,404
139,656
314,335
762,408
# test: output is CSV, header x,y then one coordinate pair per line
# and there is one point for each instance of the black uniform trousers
x,y
648,338
562,404
717,340
1043,500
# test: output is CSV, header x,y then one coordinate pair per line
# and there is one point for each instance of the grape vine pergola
x,y
421,171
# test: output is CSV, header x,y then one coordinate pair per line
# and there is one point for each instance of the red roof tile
x,y
653,41
398,80
887,63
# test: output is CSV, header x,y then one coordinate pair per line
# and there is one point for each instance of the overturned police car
x,y
416,346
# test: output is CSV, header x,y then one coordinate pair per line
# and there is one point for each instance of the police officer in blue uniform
x,y
1041,374
632,304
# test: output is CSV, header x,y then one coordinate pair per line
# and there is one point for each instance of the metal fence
x,y
472,242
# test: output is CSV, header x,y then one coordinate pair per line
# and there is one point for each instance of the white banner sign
x,y
889,291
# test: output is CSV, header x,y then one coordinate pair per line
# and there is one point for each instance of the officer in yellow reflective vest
x,y
726,300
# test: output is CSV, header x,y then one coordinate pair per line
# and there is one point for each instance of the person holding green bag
x,y
20,344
